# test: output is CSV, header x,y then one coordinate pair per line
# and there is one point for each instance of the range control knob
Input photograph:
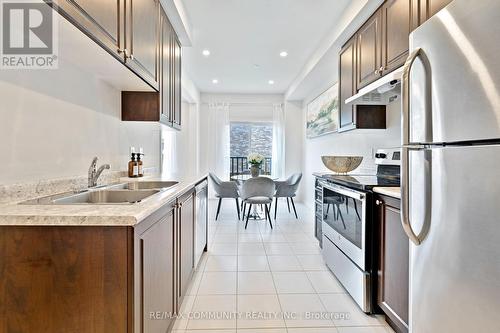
x,y
380,155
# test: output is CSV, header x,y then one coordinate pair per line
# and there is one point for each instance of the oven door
x,y
344,216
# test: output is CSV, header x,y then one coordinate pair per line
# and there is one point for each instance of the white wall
x,y
179,148
53,122
356,142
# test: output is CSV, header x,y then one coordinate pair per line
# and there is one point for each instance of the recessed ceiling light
x,y
283,54
206,53
256,66
271,82
215,81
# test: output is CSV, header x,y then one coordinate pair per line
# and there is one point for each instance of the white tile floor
x,y
268,281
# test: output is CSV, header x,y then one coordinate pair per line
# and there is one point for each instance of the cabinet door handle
x,y
122,51
377,71
379,202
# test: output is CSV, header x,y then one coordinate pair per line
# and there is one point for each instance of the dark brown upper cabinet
x,y
397,23
142,39
176,87
393,264
163,106
103,21
360,116
347,83
431,7
128,30
368,54
166,56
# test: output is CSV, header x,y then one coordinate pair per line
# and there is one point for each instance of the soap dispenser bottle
x,y
133,166
139,163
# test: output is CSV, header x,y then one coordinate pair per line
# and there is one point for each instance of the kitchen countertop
x,y
94,215
394,192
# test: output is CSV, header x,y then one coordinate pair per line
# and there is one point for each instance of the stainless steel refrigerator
x,y
451,169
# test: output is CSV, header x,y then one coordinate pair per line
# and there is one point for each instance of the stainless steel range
x,y
347,224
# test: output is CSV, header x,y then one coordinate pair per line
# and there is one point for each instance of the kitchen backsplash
x,y
26,191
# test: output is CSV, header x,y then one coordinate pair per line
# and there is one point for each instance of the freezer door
x,y
455,271
462,76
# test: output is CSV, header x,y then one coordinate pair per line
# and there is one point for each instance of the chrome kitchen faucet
x,y
95,173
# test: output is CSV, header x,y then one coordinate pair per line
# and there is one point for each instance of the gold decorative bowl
x,y
342,164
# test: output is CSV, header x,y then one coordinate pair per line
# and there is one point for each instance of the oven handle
x,y
344,190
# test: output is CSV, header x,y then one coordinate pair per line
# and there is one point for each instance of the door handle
x,y
405,140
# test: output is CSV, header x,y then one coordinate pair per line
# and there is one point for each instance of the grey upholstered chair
x,y
228,189
258,191
287,189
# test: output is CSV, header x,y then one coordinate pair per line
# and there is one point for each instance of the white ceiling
x,y
242,33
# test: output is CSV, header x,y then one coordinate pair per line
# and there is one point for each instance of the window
x,y
250,137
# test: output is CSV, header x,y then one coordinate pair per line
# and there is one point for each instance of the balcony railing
x,y
239,166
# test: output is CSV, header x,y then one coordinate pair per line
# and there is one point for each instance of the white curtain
x,y
278,161
220,142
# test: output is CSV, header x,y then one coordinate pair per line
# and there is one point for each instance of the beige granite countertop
x,y
94,215
394,192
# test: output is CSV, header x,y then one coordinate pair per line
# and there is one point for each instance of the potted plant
x,y
255,160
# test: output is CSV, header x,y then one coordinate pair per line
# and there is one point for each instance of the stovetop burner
x,y
387,176
363,182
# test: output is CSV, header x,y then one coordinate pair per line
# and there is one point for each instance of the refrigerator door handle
x,y
405,110
405,138
405,196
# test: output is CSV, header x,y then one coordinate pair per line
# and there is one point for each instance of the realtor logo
x,y
28,35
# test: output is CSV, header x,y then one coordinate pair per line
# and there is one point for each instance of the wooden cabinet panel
x,y
347,87
157,252
103,21
368,51
186,241
166,112
165,105
361,116
396,27
393,270
65,279
434,6
177,84
201,224
143,27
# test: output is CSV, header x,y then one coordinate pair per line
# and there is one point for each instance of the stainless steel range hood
x,y
381,92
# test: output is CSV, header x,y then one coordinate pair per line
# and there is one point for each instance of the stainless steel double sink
x,y
118,194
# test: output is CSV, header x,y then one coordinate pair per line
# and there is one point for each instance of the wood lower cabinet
x,y
186,245
186,224
368,52
157,274
65,279
142,39
393,264
93,279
